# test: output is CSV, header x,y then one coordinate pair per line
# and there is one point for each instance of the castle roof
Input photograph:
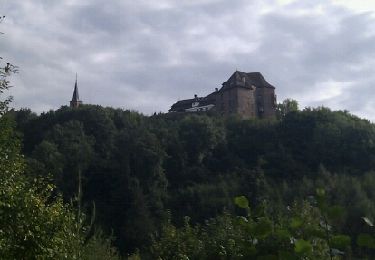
x,y
246,80
182,105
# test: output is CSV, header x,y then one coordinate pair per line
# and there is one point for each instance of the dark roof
x,y
75,92
247,80
182,105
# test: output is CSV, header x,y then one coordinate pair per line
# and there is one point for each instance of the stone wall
x,y
237,101
266,102
227,101
246,103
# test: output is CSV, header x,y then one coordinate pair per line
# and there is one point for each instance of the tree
x,y
35,223
299,234
6,69
199,136
287,106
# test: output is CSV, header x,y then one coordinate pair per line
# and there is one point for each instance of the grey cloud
x,y
145,56
303,54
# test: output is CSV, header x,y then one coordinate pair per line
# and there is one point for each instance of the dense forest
x,y
200,186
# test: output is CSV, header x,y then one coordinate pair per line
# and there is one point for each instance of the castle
x,y
247,95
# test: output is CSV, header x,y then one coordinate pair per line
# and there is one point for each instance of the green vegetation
x,y
147,174
257,235
35,223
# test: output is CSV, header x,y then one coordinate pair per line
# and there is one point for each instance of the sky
x,y
145,55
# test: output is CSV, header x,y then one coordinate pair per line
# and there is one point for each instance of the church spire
x,y
75,99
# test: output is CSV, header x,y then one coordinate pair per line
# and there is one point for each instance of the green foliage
x,y
99,247
6,69
251,237
31,227
138,167
341,242
241,202
287,106
296,222
302,247
199,136
35,223
366,240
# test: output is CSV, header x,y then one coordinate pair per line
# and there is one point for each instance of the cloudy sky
x,y
144,55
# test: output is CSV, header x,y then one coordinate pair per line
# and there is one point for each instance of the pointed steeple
x,y
75,98
75,92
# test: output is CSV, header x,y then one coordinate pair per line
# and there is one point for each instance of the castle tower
x,y
75,99
245,94
248,95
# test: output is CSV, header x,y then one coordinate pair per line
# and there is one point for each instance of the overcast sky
x,y
145,55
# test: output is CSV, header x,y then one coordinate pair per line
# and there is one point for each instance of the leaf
x,y
284,255
302,246
340,241
366,240
335,212
249,251
263,228
241,202
315,231
267,257
320,192
367,221
321,199
296,222
283,234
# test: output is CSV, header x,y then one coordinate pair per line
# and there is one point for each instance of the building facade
x,y
247,95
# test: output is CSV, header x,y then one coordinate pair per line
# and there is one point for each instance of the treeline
x,y
142,175
35,222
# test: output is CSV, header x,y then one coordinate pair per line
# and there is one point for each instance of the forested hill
x,y
142,170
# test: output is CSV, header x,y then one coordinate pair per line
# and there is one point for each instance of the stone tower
x,y
245,94
248,95
75,99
